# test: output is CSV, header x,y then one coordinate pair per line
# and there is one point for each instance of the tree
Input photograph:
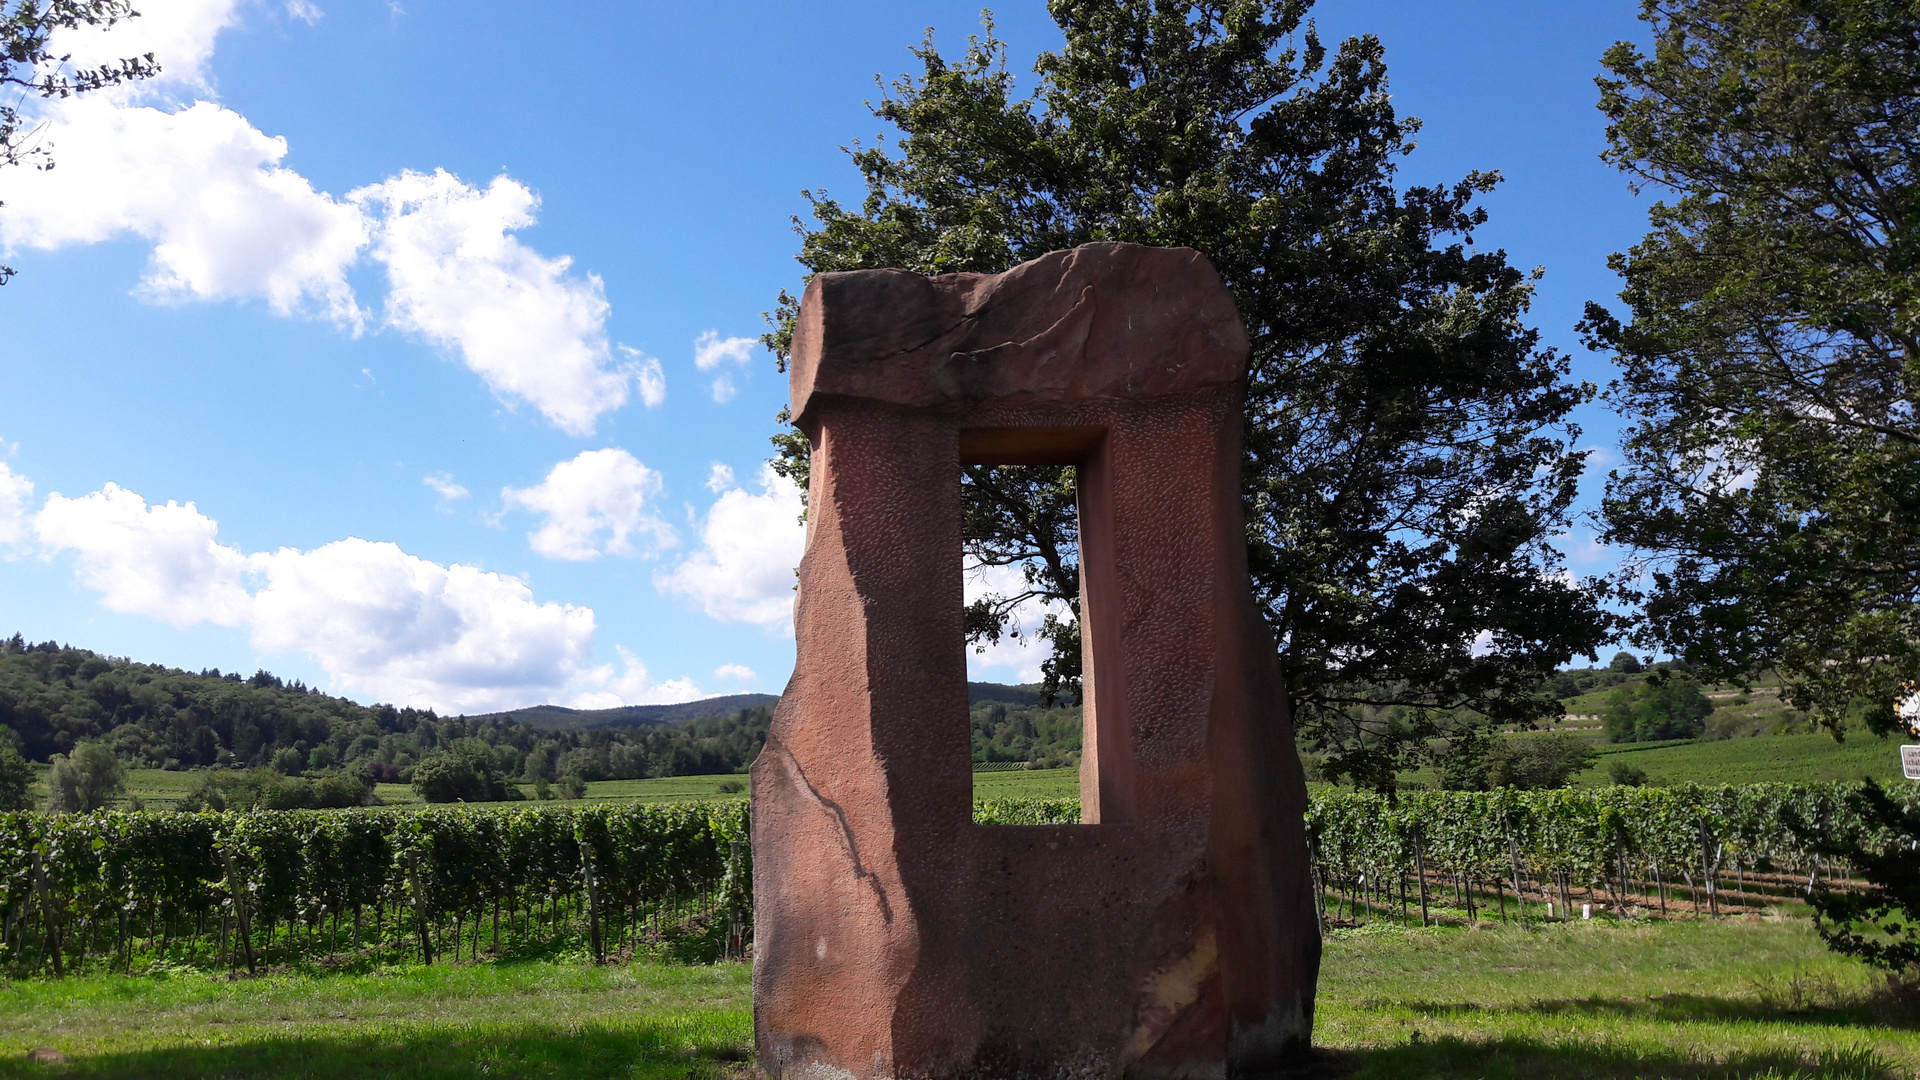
x,y
16,780
465,772
1407,452
1670,707
29,67
1770,367
1543,761
87,779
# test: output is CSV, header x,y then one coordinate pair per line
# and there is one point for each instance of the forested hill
x,y
561,718
54,696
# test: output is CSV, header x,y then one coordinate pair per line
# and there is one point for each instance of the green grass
x,y
1720,1000
1682,999
521,1020
1761,759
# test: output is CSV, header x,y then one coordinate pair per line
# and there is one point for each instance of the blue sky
x,y
405,348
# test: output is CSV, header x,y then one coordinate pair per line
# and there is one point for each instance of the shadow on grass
x,y
696,1047
1875,1009
1525,1059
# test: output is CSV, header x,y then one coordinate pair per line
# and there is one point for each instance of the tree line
x,y
287,745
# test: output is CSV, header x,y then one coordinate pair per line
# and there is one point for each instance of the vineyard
x,y
119,890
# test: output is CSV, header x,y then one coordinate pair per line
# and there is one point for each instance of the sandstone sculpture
x,y
1172,933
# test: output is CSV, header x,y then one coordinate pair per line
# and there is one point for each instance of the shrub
x,y
468,772
1626,775
87,779
1538,762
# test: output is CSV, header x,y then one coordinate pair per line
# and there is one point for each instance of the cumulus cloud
x,y
530,329
720,478
206,188
743,571
16,494
736,672
711,351
228,221
595,504
160,561
631,686
380,621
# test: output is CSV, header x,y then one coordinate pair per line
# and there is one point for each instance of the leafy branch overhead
x,y
1408,455
30,67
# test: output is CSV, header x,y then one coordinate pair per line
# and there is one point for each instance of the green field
x,y
1758,759
1725,1000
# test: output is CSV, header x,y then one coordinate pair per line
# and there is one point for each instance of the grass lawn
x,y
1726,1001
1594,1000
508,1020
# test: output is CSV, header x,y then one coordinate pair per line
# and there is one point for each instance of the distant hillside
x,y
978,692
561,718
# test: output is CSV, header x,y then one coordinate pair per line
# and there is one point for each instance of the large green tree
x,y
1770,364
1408,456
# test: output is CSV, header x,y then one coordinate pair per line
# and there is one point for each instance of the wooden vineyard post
x,y
1420,871
239,897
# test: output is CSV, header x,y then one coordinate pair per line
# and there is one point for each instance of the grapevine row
x,y
251,889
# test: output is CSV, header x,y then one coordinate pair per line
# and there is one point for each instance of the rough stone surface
x,y
1172,933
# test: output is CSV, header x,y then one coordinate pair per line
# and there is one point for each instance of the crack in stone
x,y
846,831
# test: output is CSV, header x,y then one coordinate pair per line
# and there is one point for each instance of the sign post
x,y
1910,761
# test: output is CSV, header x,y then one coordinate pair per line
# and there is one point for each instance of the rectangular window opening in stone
x,y
1021,554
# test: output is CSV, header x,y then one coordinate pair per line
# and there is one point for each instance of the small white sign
x,y
1910,761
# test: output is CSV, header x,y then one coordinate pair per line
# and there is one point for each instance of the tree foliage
x,y
16,780
1770,364
29,67
87,779
1667,707
1881,923
1408,457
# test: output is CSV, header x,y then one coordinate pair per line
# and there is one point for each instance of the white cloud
x,y
595,504
710,351
720,478
1011,659
381,622
160,561
736,672
743,571
529,328
444,483
648,378
16,493
633,686
227,221
414,632
206,188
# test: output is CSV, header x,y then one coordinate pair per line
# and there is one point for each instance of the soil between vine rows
x,y
1707,1000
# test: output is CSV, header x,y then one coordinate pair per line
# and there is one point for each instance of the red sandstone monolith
x,y
1172,933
